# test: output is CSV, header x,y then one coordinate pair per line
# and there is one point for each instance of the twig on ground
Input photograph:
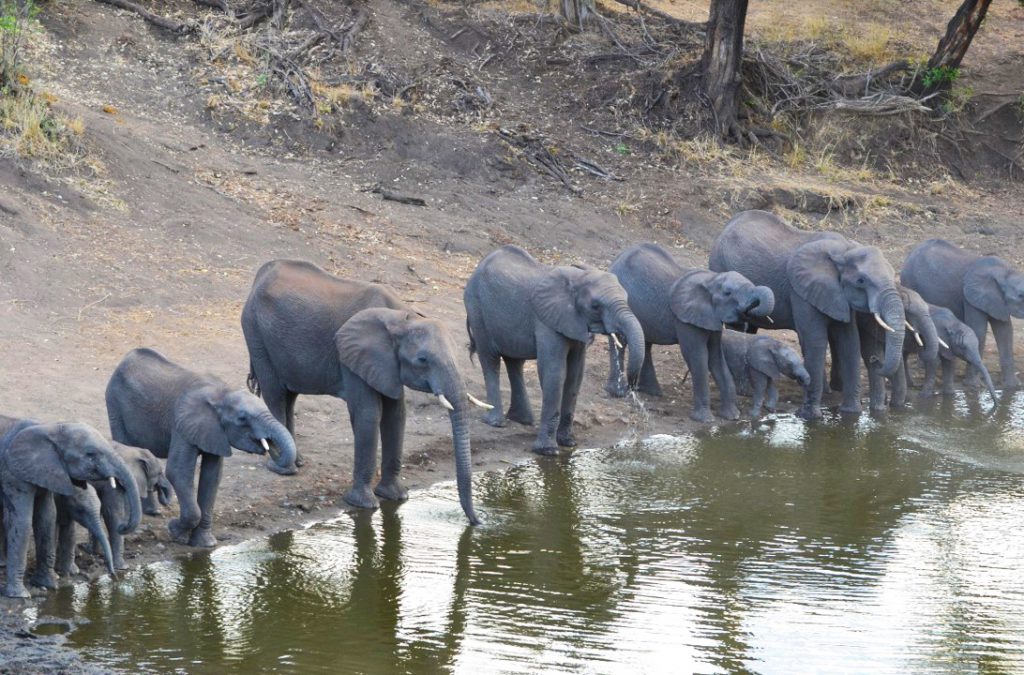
x,y
164,22
392,196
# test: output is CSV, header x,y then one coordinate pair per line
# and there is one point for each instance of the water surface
x,y
778,547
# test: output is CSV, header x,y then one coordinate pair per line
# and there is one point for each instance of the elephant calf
x,y
179,415
686,307
38,461
756,362
958,341
519,309
82,507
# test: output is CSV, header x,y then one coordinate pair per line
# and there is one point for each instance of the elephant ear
x,y
761,357
34,458
554,301
366,346
691,302
983,290
813,274
196,420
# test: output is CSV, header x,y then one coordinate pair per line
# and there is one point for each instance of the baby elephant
x,y
756,361
182,416
957,341
82,507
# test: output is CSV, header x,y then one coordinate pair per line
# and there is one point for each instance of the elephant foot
x,y
524,417
16,590
566,439
69,570
701,415
926,394
202,537
616,389
120,564
392,490
650,389
361,496
851,408
809,412
1011,382
45,579
494,418
282,470
755,413
180,532
972,382
729,412
545,448
154,511
149,506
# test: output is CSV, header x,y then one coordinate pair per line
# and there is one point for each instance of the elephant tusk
x,y
917,336
113,482
942,343
615,339
477,402
444,402
884,324
911,328
266,446
770,320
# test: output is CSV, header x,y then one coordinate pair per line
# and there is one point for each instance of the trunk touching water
x,y
890,307
988,379
463,463
628,324
131,495
930,355
94,524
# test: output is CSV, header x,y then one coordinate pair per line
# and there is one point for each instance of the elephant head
x,y
63,457
838,277
216,419
708,299
577,302
774,359
922,328
995,288
390,349
149,476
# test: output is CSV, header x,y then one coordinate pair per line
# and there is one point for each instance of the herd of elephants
x,y
308,332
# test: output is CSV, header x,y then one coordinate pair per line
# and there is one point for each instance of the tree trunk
x,y
577,12
953,45
723,54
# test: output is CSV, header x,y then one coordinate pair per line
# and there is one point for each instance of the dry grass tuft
x,y
30,129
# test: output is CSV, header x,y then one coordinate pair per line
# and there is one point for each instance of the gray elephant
x,y
820,279
685,307
979,290
38,461
922,341
152,484
182,416
756,362
82,506
519,309
957,341
309,332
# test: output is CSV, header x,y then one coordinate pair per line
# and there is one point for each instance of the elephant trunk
x,y
762,302
163,491
625,321
889,306
930,355
448,382
282,444
976,362
133,501
93,522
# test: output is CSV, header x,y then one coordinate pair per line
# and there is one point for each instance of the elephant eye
x,y
595,304
421,359
861,281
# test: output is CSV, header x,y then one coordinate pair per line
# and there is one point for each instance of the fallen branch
x,y
164,22
391,196
222,5
881,104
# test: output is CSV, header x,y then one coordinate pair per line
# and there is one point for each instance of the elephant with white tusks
x,y
309,332
978,290
687,307
756,362
38,462
820,280
519,309
186,417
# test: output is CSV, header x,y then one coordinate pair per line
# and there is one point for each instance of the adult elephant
x,y
687,307
38,461
519,309
309,332
182,416
820,279
979,290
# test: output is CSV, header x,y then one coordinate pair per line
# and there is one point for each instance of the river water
x,y
778,547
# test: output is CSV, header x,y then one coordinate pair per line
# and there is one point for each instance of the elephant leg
x,y
490,364
552,358
211,467
1003,333
847,342
289,415
723,378
978,322
392,435
365,410
616,384
772,402
648,383
18,524
280,402
575,365
181,472
835,378
759,384
44,521
693,343
519,410
65,565
898,398
871,355
112,512
948,376
812,330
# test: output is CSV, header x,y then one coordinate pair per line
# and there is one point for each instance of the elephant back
x,y
647,273
936,269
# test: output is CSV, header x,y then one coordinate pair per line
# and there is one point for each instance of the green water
x,y
782,547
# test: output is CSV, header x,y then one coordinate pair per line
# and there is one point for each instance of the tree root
x,y
164,22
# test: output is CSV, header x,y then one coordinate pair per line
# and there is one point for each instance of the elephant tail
x,y
251,382
472,340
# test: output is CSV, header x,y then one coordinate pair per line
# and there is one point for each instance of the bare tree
x,y
953,45
577,12
720,66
